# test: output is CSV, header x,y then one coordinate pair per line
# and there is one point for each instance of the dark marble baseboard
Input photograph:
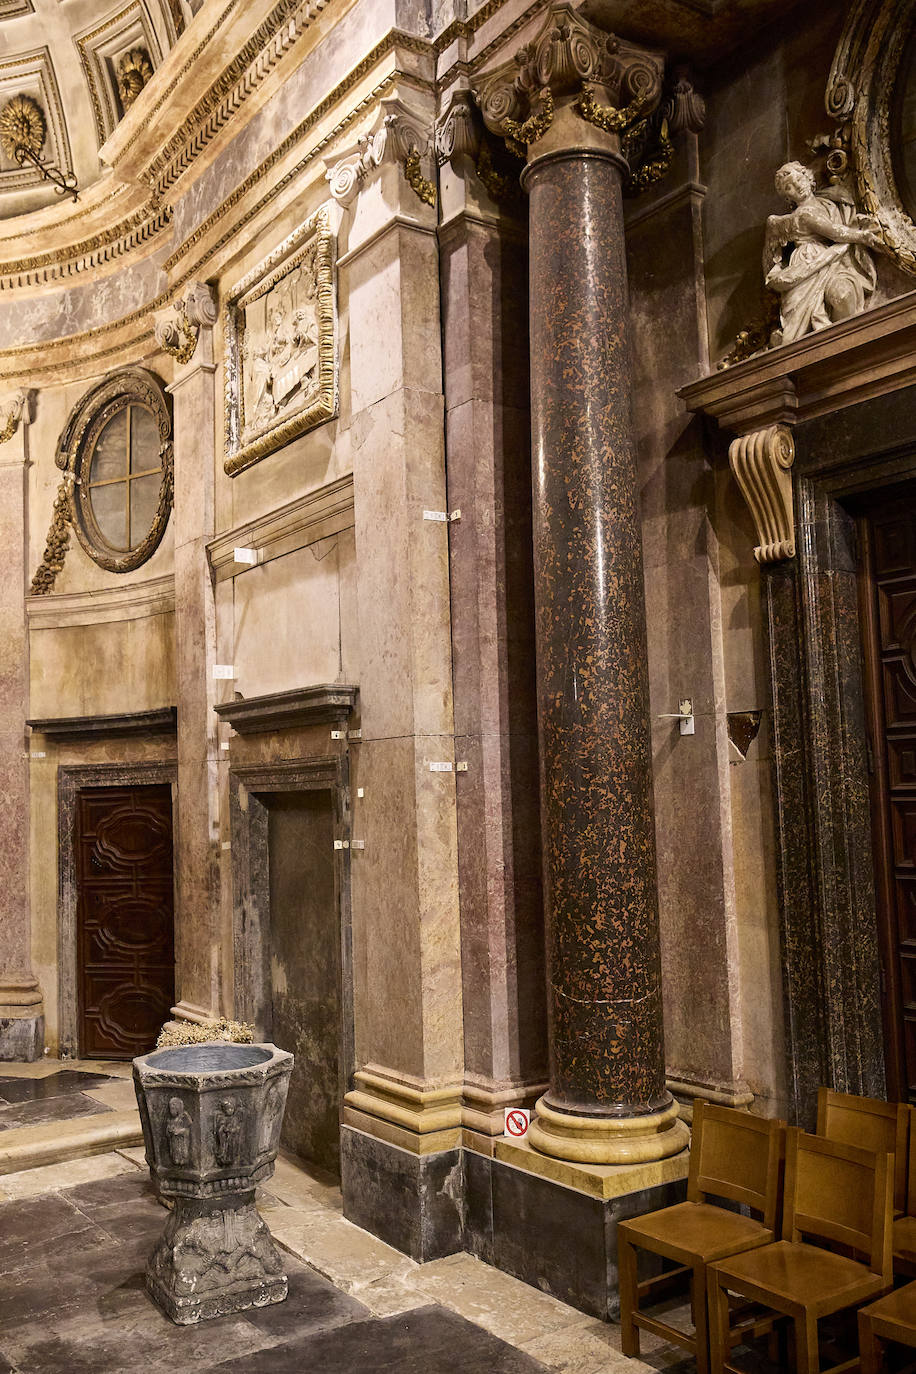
x,y
22,1038
560,1240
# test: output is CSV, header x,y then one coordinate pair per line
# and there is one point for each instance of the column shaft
x,y
607,1052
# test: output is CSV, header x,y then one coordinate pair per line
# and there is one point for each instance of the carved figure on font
x,y
227,1133
178,1132
817,256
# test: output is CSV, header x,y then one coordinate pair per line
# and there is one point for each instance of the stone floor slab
x,y
53,1109
499,1303
58,1084
48,1177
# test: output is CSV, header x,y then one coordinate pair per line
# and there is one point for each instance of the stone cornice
x,y
868,355
320,513
135,601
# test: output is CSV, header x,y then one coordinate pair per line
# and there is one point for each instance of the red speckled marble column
x,y
607,1100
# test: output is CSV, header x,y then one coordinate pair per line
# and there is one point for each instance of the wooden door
x,y
887,548
125,919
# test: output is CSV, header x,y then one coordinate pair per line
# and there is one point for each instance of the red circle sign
x,y
516,1123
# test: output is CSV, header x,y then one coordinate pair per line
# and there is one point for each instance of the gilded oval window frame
x,y
861,97
76,450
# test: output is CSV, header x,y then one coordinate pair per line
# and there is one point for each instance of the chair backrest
x,y
841,1194
736,1156
869,1124
910,1207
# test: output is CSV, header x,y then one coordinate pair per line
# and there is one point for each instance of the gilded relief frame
x,y
281,376
860,98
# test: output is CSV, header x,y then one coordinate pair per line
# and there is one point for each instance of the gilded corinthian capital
x,y
606,81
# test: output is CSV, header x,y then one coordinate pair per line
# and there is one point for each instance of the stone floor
x,y
74,1238
75,1235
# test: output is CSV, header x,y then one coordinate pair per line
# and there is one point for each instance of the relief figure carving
x,y
280,348
178,1132
227,1131
817,256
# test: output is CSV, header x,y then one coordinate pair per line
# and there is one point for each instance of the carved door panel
x,y
125,918
888,555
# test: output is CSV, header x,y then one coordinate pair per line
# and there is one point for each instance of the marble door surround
x,y
565,101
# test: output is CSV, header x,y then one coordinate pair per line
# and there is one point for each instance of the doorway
x,y
887,557
125,924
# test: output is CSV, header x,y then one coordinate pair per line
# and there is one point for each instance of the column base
x,y
411,1201
608,1140
22,1038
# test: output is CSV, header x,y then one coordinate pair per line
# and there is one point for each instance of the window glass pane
x,y
144,441
109,506
144,498
110,456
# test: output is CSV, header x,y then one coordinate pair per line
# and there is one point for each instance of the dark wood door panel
x,y
125,918
888,605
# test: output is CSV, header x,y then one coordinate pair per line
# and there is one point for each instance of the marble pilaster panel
x,y
483,268
407,994
21,1010
197,925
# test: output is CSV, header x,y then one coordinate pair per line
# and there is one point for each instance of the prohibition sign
x,y
517,1122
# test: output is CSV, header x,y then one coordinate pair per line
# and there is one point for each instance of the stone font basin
x,y
211,1117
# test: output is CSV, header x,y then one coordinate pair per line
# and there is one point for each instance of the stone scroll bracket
x,y
400,137
15,410
178,328
762,464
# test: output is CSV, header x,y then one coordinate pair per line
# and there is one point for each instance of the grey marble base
x,y
22,1038
211,1261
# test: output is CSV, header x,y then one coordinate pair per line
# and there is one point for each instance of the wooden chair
x,y
904,1234
836,1194
734,1156
869,1124
892,1318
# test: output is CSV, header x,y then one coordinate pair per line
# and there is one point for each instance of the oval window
x,y
122,459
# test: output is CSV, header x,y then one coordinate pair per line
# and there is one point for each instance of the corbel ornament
x,y
13,409
400,136
762,463
177,328
861,98
610,83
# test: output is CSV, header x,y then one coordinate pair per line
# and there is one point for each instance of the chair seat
x,y
905,1239
895,1314
801,1275
695,1231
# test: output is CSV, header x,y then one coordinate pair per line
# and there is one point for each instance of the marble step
x,y
28,1147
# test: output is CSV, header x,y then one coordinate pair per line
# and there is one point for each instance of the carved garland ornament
x,y
177,328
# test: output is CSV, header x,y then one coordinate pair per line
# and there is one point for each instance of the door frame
x,y
71,780
251,884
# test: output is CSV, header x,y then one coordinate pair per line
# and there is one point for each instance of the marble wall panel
x,y
287,621
86,670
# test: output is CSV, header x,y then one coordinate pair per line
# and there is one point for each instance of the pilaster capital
x,y
14,410
762,462
400,136
458,129
572,65
178,326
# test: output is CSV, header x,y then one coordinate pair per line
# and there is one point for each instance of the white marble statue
x,y
817,256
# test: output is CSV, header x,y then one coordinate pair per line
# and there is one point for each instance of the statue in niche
x,y
227,1132
178,1132
817,256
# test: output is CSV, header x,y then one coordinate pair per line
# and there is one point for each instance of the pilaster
x,y
21,1006
186,331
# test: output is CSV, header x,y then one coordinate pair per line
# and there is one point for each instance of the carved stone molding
x,y
177,327
401,136
762,463
609,83
13,409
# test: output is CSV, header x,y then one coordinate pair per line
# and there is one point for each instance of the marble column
x,y
565,101
197,938
21,1008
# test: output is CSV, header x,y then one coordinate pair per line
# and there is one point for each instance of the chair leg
x,y
717,1309
701,1319
807,1351
870,1351
629,1296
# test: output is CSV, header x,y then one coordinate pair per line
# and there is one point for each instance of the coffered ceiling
x,y
72,67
